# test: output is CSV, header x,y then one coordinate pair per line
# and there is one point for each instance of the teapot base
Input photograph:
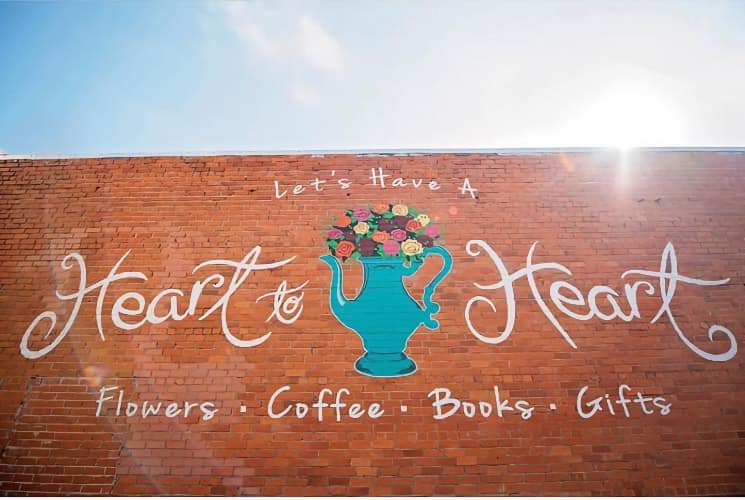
x,y
385,365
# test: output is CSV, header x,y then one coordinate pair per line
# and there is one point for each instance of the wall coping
x,y
385,152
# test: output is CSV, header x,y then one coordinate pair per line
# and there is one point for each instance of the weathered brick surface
x,y
596,213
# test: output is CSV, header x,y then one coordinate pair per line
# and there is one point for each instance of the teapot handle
x,y
431,307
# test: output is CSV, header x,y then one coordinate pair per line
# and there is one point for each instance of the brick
x,y
587,211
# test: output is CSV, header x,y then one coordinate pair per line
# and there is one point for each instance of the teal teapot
x,y
383,314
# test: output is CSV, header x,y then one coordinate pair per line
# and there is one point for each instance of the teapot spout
x,y
337,300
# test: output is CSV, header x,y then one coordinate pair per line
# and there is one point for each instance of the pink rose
x,y
334,234
362,215
432,230
391,247
398,234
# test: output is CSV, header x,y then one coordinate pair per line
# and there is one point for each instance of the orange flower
x,y
413,225
380,236
380,208
343,220
345,248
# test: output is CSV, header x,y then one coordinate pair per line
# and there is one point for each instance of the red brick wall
x,y
598,214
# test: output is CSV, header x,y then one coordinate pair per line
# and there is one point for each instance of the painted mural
x,y
367,325
391,242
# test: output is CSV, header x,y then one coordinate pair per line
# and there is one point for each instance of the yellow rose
x,y
411,247
361,228
423,219
400,210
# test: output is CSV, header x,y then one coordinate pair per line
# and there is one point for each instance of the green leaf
x,y
332,243
356,254
388,215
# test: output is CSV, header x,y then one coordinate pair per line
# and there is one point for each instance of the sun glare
x,y
625,116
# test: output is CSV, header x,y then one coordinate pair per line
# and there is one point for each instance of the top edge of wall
x,y
384,152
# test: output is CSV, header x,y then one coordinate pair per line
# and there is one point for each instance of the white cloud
x,y
321,49
298,49
490,81
285,37
242,20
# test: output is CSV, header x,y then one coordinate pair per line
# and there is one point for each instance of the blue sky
x,y
91,78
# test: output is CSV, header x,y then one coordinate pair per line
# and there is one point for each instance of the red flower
x,y
345,248
413,225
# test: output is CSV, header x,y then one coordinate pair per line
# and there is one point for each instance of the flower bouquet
x,y
384,230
